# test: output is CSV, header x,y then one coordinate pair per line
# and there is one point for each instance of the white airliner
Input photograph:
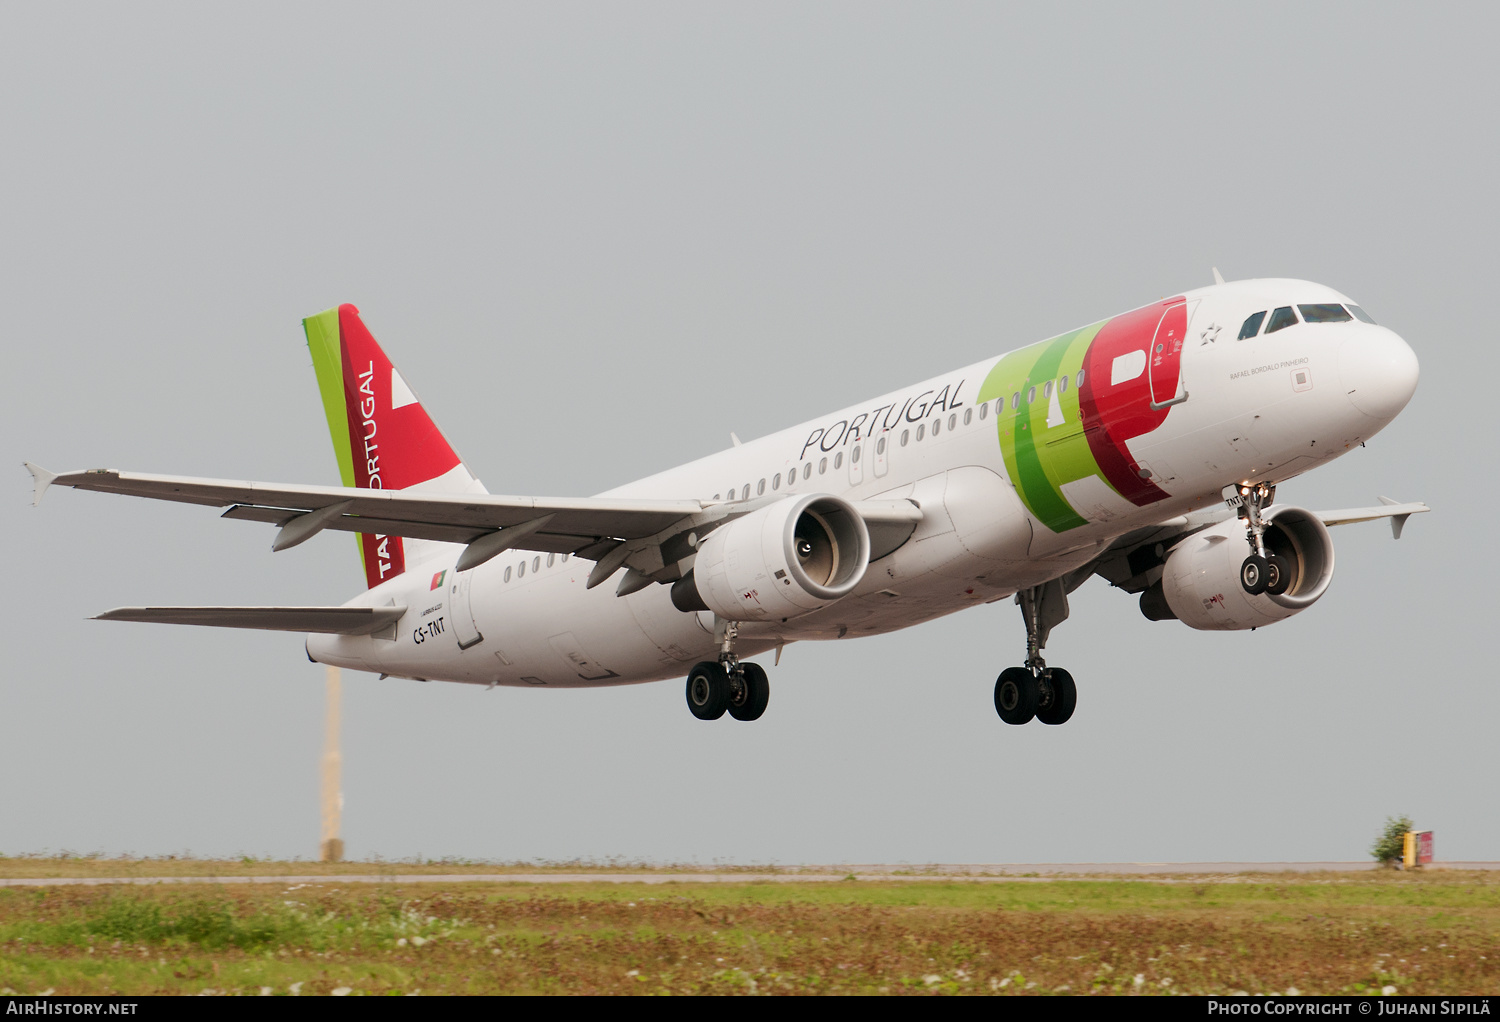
x,y
1145,448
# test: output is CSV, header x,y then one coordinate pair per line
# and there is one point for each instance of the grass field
x,y
1315,933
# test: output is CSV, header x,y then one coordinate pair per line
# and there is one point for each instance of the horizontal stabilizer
x,y
332,620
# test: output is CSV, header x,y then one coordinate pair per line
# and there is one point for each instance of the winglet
x,y
41,479
1218,277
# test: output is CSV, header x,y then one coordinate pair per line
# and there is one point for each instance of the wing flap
x,y
332,620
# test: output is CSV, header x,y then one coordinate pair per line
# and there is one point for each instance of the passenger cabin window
x,y
968,416
1361,315
984,410
507,573
880,446
536,563
952,421
521,570
1031,396
550,559
760,487
1252,325
822,465
1078,380
776,481
1047,389
1062,385
1281,319
807,471
937,427
905,436
1015,400
838,459
854,456
1329,313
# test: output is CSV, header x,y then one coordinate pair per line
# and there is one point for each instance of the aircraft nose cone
x,y
1379,372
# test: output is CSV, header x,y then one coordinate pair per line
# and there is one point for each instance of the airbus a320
x,y
1146,448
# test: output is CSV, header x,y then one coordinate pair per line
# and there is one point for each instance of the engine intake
x,y
786,559
1200,583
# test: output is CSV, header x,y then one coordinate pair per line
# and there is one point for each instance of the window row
x,y
519,570
933,428
1326,312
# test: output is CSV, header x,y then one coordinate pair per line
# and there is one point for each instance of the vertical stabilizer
x,y
382,436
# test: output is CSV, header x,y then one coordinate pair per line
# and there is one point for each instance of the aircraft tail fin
x,y
382,436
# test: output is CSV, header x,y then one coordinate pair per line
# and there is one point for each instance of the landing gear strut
x,y
1261,572
729,683
1036,690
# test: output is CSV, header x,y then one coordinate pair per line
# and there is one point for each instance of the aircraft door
x,y
1165,362
464,626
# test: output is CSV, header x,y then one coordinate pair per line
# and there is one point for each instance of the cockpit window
x,y
1252,325
1361,315
1329,313
1282,318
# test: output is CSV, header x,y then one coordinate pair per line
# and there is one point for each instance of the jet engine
x,y
1200,582
791,557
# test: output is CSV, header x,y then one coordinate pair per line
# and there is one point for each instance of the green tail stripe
x,y
328,361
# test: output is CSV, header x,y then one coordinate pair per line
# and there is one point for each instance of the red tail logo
x,y
393,443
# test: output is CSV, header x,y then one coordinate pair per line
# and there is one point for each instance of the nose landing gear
x,y
730,684
1036,690
1261,572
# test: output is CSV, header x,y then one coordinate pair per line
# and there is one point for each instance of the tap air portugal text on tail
x,y
1145,448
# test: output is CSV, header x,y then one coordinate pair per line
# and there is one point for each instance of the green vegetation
x,y
1318,933
1388,847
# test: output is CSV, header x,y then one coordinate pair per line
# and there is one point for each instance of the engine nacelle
x,y
794,556
1201,580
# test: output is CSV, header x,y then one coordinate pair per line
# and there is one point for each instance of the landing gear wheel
x,y
1016,695
1255,574
1278,575
748,701
1061,699
708,690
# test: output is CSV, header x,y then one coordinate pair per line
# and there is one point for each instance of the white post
x,y
331,849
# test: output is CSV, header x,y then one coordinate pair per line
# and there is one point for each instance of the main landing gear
x,y
729,683
1261,572
1036,690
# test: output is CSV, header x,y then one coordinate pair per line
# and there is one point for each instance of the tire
x,y
754,696
1254,574
1279,575
1064,698
1016,695
708,690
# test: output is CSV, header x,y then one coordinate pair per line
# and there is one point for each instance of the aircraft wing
x,y
1397,512
574,523
1128,561
611,530
333,620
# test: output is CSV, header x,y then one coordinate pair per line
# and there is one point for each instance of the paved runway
x,y
994,873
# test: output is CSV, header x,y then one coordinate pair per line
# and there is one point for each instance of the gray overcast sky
x,y
597,238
